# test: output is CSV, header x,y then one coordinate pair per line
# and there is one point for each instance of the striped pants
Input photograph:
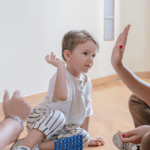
x,y
52,124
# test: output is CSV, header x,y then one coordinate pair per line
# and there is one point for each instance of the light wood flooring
x,y
110,105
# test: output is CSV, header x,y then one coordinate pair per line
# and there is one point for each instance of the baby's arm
x,y
136,85
61,91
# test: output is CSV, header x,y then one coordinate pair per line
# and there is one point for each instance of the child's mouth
x,y
87,66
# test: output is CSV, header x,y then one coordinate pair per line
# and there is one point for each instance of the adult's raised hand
x,y
16,106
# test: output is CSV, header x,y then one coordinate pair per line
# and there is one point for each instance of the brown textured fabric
x,y
146,142
139,110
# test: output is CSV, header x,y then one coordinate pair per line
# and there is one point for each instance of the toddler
x,y
67,108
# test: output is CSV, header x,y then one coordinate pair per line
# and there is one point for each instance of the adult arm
x,y
9,128
137,86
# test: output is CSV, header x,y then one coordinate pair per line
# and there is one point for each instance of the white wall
x,y
31,29
102,65
137,54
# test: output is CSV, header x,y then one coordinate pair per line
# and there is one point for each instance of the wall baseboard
x,y
103,80
40,96
114,77
142,74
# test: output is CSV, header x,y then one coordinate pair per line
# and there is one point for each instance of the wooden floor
x,y
110,105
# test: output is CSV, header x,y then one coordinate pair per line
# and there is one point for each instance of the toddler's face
x,y
82,57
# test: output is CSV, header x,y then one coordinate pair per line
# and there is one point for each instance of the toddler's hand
x,y
54,61
96,142
117,53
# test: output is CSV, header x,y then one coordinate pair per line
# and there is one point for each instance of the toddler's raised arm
x,y
61,90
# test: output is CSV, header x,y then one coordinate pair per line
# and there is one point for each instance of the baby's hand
x,y
96,142
54,61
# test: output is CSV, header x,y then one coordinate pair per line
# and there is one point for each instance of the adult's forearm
x,y
9,129
61,91
137,86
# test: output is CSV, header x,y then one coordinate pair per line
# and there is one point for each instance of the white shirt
x,y
78,106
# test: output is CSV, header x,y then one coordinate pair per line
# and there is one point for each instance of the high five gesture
x,y
118,50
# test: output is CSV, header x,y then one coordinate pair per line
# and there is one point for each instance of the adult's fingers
x,y
128,28
130,139
120,135
6,97
124,34
51,57
130,133
119,38
16,94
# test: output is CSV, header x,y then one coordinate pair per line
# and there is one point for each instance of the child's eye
x,y
85,53
93,56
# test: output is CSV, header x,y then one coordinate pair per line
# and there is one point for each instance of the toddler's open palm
x,y
117,53
54,61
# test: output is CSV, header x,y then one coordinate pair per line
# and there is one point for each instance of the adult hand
x,y
117,53
54,61
16,106
134,136
96,142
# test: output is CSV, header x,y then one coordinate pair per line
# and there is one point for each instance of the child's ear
x,y
67,54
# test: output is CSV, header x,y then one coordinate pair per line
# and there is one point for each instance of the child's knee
x,y
55,119
59,116
146,141
53,123
86,138
48,122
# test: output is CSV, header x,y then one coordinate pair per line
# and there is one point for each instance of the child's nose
x,y
91,59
